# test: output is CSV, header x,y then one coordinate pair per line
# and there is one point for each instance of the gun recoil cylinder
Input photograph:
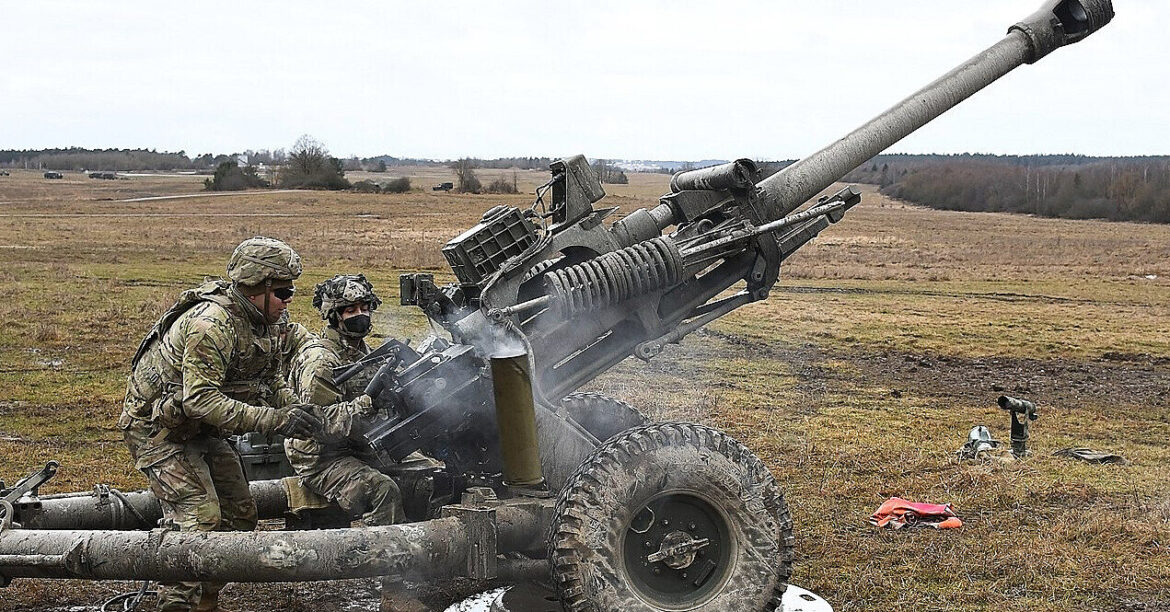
x,y
615,277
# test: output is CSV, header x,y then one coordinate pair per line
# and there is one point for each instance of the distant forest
x,y
523,163
1068,186
76,158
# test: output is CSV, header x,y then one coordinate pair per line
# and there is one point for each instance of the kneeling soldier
x,y
333,468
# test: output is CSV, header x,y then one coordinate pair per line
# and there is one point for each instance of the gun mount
x,y
560,282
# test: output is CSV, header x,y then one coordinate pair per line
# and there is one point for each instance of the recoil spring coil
x,y
614,277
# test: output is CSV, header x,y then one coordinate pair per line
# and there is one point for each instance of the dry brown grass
x,y
885,341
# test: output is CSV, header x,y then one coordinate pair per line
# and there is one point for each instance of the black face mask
x,y
358,325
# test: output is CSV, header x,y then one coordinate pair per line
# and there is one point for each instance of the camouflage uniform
x,y
209,368
334,467
293,336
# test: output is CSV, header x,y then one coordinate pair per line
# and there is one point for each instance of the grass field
x,y
886,340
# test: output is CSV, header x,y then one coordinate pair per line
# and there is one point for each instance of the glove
x,y
363,405
300,421
343,420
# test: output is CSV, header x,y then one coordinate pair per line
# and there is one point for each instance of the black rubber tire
x,y
600,415
596,509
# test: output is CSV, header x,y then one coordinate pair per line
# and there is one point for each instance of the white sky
x,y
670,79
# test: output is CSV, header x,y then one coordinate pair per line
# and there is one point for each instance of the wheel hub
x,y
677,550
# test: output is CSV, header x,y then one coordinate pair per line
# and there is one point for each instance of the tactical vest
x,y
330,344
356,385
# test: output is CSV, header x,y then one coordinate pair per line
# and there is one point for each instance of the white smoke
x,y
503,339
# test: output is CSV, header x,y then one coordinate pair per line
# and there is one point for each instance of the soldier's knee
x,y
369,492
384,502
383,490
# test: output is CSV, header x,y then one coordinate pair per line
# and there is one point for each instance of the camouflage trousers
x,y
200,488
359,489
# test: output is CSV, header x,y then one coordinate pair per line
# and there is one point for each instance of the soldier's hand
x,y
364,405
300,421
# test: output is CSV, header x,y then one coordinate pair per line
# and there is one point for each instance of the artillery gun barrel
x,y
1057,23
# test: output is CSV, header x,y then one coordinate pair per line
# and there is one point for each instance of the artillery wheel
x,y
600,415
671,516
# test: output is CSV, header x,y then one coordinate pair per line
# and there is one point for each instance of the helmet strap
x,y
267,297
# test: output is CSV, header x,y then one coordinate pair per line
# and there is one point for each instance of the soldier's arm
x,y
283,394
207,353
315,382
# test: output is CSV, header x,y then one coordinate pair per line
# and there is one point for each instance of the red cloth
x,y
897,513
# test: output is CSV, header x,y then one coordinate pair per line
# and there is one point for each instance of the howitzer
x,y
647,516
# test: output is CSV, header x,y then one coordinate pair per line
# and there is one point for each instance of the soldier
x,y
208,368
333,468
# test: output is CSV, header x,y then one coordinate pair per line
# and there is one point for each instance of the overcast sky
x,y
672,79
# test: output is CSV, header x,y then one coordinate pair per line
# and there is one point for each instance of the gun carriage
x,y
540,477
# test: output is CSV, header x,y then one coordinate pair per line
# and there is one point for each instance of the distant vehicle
x,y
3,173
103,175
54,175
443,187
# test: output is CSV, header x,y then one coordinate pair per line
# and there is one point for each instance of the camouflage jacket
x,y
347,409
293,338
210,366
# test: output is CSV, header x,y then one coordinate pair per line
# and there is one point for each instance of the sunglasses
x,y
284,293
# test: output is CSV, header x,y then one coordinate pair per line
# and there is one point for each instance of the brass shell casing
x,y
516,419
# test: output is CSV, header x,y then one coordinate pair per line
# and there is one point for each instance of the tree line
x,y
76,158
1069,186
1066,186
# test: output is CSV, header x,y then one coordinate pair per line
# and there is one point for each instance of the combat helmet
x,y
263,262
341,291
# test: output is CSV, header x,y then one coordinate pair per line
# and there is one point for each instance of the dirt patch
x,y
1118,378
1057,382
